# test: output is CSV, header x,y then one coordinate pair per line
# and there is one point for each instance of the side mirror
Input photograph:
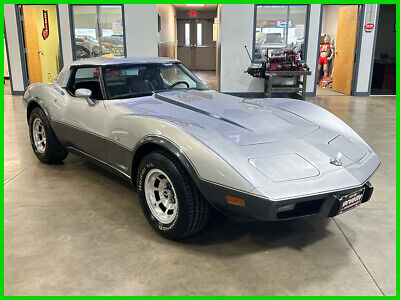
x,y
86,94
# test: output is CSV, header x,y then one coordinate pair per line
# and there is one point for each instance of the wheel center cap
x,y
167,194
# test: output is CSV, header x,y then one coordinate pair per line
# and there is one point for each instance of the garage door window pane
x,y
199,34
187,34
279,26
98,30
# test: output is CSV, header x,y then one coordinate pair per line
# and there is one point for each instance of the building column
x,y
13,49
65,33
313,41
141,29
236,31
367,51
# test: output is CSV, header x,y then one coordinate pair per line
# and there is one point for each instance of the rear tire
x,y
45,144
161,179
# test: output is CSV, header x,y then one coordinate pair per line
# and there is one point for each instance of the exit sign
x,y
192,13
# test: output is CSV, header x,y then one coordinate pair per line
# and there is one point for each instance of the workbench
x,y
299,87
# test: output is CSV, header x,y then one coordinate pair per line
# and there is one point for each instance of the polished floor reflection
x,y
209,78
74,229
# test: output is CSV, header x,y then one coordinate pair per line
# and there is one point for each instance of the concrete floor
x,y
209,77
74,229
327,92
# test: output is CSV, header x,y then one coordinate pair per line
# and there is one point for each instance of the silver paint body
x,y
274,148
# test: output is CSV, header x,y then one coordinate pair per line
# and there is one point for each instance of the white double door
x,y
196,48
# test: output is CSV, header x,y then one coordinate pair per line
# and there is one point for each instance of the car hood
x,y
279,152
246,121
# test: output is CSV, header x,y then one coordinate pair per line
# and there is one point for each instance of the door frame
x,y
72,25
356,52
8,61
373,50
22,43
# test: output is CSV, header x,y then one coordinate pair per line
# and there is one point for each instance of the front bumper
x,y
258,208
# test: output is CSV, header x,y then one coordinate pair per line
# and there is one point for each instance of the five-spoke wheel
x,y
161,196
170,200
39,135
45,144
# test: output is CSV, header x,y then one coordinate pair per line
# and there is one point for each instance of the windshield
x,y
127,81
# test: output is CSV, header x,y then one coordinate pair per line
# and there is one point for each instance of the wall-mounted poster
x,y
117,28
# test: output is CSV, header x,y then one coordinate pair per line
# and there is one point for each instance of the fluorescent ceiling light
x,y
194,4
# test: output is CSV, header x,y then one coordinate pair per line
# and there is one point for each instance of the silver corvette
x,y
187,148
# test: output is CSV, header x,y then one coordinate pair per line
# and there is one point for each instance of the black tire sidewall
x,y
38,113
156,160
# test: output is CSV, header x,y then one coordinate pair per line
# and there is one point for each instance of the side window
x,y
123,82
86,78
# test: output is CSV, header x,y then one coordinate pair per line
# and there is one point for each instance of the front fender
x,y
200,161
34,102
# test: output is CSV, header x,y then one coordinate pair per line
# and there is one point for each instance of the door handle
x,y
40,52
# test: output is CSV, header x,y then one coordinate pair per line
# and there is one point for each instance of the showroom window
x,y
279,26
98,30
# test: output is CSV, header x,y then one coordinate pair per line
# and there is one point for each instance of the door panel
x,y
205,55
84,126
345,46
185,56
205,58
41,38
185,47
31,43
49,47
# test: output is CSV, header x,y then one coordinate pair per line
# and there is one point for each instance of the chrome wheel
x,y
39,135
160,196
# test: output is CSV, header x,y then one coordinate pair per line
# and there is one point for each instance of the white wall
x,y
13,48
313,44
141,26
236,30
167,35
65,33
330,21
366,54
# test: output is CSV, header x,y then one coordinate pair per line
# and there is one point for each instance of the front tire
x,y
171,202
45,144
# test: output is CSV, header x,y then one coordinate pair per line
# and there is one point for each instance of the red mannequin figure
x,y
326,54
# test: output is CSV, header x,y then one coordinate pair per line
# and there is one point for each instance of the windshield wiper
x,y
184,89
134,95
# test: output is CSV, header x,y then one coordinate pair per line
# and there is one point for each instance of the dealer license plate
x,y
350,201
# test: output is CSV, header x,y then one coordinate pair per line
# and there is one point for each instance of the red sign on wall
x,y
369,26
45,30
192,13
